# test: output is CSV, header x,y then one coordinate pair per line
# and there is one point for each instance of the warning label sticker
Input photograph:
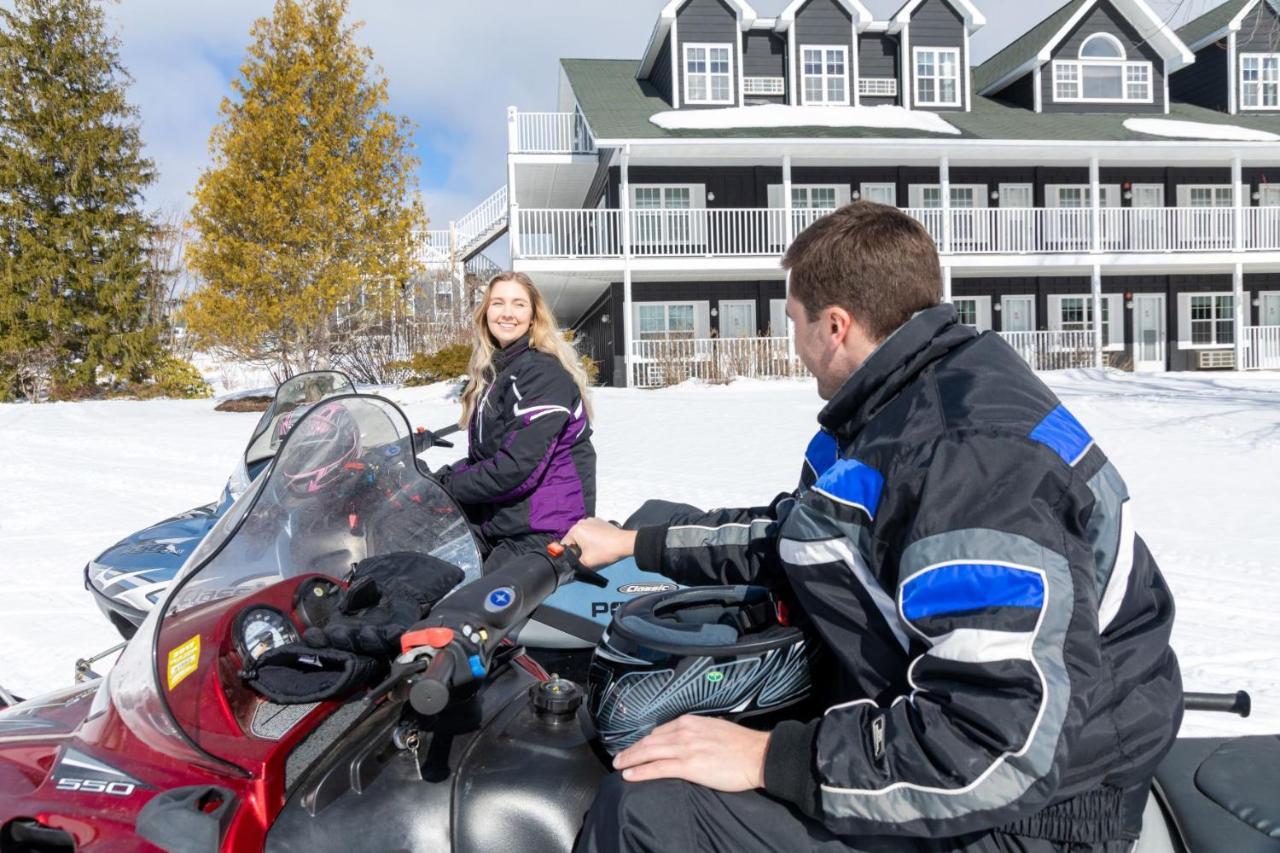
x,y
183,660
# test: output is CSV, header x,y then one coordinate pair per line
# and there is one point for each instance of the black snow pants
x,y
667,816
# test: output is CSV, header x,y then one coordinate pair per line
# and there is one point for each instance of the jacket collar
x,y
502,358
899,359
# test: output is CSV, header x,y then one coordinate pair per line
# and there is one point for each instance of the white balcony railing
x,y
738,232
1262,348
481,220
655,363
552,133
1053,350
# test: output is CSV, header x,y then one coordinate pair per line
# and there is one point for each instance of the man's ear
x,y
838,322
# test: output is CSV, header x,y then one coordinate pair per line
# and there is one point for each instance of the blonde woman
x,y
530,471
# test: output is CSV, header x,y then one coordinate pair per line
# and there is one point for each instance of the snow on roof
x,y
1197,130
779,115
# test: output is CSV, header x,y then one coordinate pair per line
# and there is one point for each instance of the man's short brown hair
x,y
870,259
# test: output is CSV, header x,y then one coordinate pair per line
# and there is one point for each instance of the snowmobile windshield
x,y
297,392
345,485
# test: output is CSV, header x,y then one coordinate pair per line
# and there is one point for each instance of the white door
x,y
1018,224
1269,309
737,319
778,318
1018,313
1148,332
1148,195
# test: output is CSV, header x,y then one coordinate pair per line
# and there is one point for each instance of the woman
x,y
530,471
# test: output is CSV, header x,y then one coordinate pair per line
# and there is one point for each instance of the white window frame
x,y
764,86
1068,74
695,333
1112,316
1220,193
867,188
916,192
1110,195
937,77
982,311
1186,324
708,74
823,76
878,87
666,233
1263,59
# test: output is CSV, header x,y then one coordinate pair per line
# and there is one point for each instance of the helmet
x,y
325,441
718,651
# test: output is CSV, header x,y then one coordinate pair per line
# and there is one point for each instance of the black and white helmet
x,y
718,651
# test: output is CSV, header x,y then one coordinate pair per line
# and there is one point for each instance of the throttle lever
x,y
572,555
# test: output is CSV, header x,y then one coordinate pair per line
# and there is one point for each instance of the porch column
x,y
946,284
1095,207
1096,289
625,213
789,228
944,190
1237,205
1237,303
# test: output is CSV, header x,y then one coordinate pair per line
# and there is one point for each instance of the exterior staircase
x,y
467,237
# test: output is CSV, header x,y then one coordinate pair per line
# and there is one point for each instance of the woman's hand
x,y
600,542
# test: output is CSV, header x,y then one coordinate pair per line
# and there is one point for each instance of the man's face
x,y
819,349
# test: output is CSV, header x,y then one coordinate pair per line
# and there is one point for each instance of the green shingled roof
x,y
1024,48
618,106
1210,22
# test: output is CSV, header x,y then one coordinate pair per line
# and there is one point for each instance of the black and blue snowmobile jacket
x,y
530,466
999,633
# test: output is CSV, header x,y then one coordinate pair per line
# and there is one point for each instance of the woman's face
x,y
510,312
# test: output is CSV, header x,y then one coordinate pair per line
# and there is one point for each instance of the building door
x,y
1269,309
1148,195
1018,223
1148,332
880,193
1018,313
737,319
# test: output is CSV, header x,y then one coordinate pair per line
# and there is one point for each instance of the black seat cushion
x,y
1243,776
1224,793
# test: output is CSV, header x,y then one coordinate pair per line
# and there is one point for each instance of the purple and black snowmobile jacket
x,y
530,466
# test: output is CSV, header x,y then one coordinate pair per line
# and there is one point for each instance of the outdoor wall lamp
x,y
715,313
1128,194
855,195
604,318
1256,195
997,307
1255,302
711,196
995,195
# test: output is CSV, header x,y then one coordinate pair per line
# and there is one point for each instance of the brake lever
x,y
572,555
399,671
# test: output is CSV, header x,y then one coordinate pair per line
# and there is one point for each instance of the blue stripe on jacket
x,y
852,482
1063,434
964,587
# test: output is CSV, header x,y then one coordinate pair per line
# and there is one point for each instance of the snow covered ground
x,y
1201,454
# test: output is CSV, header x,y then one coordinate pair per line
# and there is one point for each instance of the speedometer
x,y
259,629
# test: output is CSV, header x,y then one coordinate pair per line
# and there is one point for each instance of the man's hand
x,y
713,753
601,543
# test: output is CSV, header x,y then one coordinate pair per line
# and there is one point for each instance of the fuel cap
x,y
556,699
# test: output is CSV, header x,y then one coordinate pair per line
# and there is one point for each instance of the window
x,y
1075,314
937,76
963,196
878,87
665,321
814,197
708,73
966,311
1212,320
1079,195
880,193
824,74
1205,195
1259,81
664,214
763,86
1102,74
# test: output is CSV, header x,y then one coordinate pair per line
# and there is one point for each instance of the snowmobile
x,y
128,578
466,744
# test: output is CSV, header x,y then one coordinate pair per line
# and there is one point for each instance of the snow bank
x,y
780,115
1197,130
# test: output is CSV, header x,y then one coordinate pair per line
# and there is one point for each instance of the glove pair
x,y
352,641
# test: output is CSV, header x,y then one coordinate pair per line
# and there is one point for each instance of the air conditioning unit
x,y
1216,359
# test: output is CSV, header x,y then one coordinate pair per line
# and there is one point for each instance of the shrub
x,y
175,378
442,365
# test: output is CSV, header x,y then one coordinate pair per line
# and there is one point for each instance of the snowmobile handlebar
x,y
1229,703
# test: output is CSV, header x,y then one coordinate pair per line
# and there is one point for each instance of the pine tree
x,y
73,307
304,222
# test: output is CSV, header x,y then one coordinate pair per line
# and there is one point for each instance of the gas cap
x,y
556,700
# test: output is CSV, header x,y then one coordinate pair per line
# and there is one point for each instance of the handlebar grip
x,y
572,555
1229,703
430,694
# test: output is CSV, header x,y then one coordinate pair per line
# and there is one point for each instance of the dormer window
x,y
708,73
937,76
1259,81
826,74
1102,74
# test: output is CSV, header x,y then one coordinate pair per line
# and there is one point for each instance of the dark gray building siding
x,y
706,21
1103,18
822,22
878,57
936,24
1205,81
1020,93
661,75
1259,33
764,54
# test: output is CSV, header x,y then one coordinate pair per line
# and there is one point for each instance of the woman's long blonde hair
x,y
544,336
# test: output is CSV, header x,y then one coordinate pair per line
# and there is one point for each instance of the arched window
x,y
1102,73
1102,46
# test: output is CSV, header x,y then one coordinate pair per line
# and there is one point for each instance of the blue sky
x,y
453,67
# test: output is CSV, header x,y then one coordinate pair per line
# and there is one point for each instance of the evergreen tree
x,y
304,222
73,304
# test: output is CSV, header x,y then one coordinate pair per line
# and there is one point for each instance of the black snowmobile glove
x,y
387,595
297,674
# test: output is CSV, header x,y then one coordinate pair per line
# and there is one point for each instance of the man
x,y
1002,676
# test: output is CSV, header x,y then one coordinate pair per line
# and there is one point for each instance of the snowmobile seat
x,y
1223,794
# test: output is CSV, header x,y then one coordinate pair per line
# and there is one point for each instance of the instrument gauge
x,y
259,629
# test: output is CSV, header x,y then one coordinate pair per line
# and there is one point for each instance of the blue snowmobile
x,y
130,577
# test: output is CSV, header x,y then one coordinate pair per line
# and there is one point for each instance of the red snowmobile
x,y
463,744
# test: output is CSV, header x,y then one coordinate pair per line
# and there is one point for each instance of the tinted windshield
x,y
344,486
305,389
